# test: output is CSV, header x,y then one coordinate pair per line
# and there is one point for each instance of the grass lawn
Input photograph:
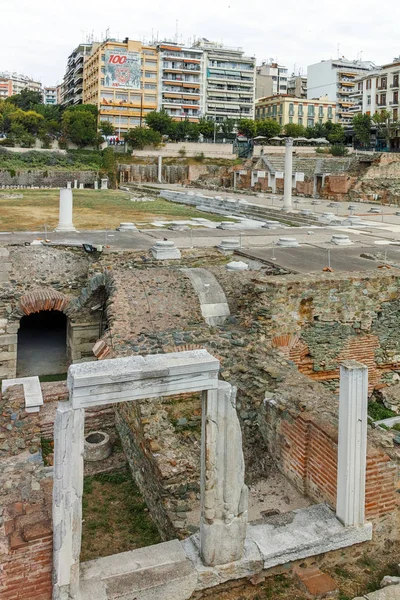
x,y
115,518
102,209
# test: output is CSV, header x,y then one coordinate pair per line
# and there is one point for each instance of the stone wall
x,y
45,177
320,321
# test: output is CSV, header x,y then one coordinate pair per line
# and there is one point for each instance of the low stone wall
x,y
189,149
45,177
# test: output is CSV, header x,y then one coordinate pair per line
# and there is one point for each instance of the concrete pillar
x,y
76,184
287,195
67,500
224,495
96,185
159,169
69,184
104,184
81,186
352,443
65,215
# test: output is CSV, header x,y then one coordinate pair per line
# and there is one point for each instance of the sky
x,y
37,37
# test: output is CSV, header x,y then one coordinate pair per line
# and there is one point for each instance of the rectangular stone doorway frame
x,y
223,492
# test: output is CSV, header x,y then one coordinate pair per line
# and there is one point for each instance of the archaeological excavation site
x,y
203,402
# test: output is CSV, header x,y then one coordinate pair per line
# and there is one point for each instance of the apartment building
x,y
50,95
181,93
228,85
337,80
121,79
297,86
271,79
14,83
287,109
71,90
379,90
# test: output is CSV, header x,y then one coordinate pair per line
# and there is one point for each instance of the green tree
x,y
227,127
106,128
26,99
268,128
30,120
159,121
80,127
334,133
139,137
181,131
91,108
294,130
247,127
385,124
206,128
109,166
362,128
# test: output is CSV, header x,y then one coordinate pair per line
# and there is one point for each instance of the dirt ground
x,y
93,209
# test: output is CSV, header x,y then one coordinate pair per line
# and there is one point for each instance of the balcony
x,y
394,103
382,88
394,85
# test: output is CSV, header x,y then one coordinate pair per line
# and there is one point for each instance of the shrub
x,y
339,150
182,152
199,157
7,142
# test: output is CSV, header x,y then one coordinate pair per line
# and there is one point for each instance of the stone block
x,y
4,253
32,391
165,250
6,355
8,339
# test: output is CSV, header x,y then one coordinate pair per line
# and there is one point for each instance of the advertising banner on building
x,y
122,69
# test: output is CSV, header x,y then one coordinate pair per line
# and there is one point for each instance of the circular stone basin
x,y
229,244
287,242
164,244
97,446
237,266
341,240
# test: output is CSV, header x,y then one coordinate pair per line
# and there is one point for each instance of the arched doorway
x,y
42,344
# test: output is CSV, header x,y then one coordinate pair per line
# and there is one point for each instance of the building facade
x,y
297,86
337,80
181,92
121,79
50,95
14,83
287,109
379,91
271,79
71,90
228,82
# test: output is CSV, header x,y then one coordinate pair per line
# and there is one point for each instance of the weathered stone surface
x,y
224,494
388,593
213,303
165,250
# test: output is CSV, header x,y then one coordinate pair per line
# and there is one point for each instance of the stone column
x,y
67,500
223,492
96,185
65,216
352,443
76,184
159,169
69,185
81,186
287,195
104,184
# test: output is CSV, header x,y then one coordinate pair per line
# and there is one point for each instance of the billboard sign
x,y
122,69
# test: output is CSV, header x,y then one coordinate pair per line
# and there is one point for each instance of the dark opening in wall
x,y
42,344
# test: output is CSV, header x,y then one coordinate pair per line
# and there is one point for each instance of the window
x,y
150,75
369,100
151,62
382,101
310,110
122,96
280,120
150,99
320,111
368,84
134,98
300,121
300,110
150,86
290,119
291,109
330,114
395,114
149,52
383,83
310,122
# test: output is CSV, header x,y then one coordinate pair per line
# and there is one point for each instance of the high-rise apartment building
x,y
50,95
14,83
180,81
297,86
271,78
72,84
336,79
228,82
121,78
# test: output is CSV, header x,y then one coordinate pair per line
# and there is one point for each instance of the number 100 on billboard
x,y
122,69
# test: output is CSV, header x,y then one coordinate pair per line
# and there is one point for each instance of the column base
x,y
65,228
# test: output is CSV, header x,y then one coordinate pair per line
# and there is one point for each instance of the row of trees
x,y
381,122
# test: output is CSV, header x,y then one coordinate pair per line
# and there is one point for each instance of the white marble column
x,y
287,194
81,186
159,169
96,185
67,500
352,443
69,185
76,184
65,214
224,495
104,184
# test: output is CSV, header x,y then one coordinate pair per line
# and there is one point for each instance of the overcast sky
x,y
37,37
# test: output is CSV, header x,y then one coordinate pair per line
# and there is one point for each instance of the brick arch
x,y
40,300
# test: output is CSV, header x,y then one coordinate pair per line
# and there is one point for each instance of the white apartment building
x,y
50,95
14,83
336,78
180,85
228,82
379,90
72,84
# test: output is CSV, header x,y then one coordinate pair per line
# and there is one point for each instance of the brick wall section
x,y
46,299
309,458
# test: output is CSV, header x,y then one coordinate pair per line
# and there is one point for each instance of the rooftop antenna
x,y
176,32
361,53
338,50
107,33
